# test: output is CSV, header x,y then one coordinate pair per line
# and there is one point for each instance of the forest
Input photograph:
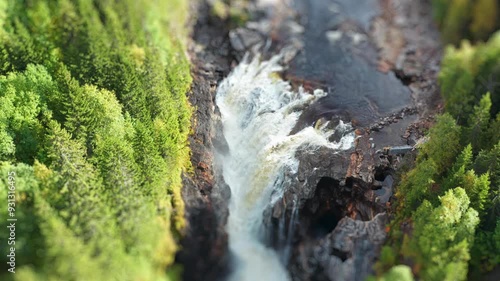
x,y
94,121
94,128
447,212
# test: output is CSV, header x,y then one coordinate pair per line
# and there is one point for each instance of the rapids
x,y
258,111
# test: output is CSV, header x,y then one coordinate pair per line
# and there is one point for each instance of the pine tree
x,y
478,124
27,239
486,251
152,166
462,164
494,131
457,16
416,185
444,143
459,19
23,97
484,18
461,174
7,146
457,82
477,189
489,161
66,255
79,192
442,236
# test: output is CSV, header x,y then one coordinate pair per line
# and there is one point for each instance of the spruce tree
x,y
477,130
444,143
442,236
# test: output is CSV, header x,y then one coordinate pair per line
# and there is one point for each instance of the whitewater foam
x,y
258,111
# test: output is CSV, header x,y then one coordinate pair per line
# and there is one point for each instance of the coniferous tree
x,y
416,185
82,194
477,188
477,130
473,19
442,236
484,18
27,240
457,16
489,161
23,98
494,131
457,82
461,174
444,143
462,164
485,254
92,98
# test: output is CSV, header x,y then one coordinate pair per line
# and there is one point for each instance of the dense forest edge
x,y
94,122
446,218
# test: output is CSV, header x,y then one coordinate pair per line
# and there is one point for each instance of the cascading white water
x,y
285,234
258,111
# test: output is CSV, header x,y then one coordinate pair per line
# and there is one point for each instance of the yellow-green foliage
x,y
473,19
234,10
443,144
436,155
467,74
442,176
220,9
398,273
457,189
442,237
94,121
484,18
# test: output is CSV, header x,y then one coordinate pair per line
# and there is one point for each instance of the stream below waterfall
x,y
258,111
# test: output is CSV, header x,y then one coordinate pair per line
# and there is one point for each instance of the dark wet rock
x,y
338,234
243,39
406,113
346,253
409,45
340,57
204,253
417,130
311,117
383,195
334,198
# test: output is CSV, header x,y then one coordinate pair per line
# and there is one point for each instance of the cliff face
x,y
204,253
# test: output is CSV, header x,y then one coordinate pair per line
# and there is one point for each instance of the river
x,y
258,111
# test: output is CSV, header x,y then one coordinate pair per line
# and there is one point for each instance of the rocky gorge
x,y
377,62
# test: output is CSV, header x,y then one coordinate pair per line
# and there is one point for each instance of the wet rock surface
x,y
339,54
346,253
340,201
243,39
204,253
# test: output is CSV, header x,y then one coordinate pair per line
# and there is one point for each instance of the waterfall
x,y
258,111
285,234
